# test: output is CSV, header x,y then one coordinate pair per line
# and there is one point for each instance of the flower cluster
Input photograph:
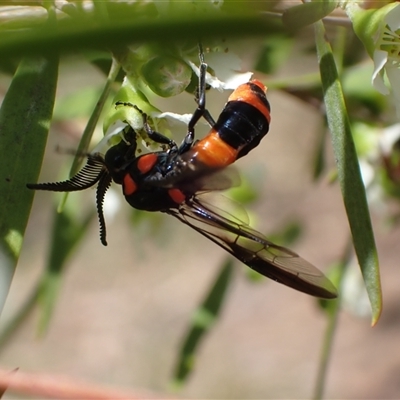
x,y
379,30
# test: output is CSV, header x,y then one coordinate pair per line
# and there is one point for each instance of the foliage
x,y
140,48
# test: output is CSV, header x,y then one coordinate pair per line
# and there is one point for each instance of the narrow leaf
x,y
305,14
69,229
319,153
204,319
349,175
124,27
24,123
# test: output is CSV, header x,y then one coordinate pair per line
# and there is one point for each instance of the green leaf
x,y
204,319
274,53
124,27
319,153
24,123
305,14
349,175
79,104
68,230
94,118
366,23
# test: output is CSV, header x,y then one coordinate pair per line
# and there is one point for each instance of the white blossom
x,y
387,56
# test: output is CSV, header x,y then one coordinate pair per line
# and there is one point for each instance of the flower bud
x,y
166,75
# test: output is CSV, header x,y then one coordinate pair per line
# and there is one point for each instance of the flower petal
x,y
225,67
389,137
393,74
185,118
380,59
113,130
393,18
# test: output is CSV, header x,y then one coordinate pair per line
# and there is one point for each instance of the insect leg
x,y
201,110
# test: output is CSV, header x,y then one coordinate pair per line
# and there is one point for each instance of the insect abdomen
x,y
245,119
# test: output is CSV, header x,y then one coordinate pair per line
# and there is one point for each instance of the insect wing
x,y
253,249
217,204
195,177
222,179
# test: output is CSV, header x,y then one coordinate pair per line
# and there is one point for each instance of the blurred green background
x,y
123,312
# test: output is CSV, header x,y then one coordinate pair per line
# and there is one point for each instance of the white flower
x,y
389,137
226,77
226,67
116,128
387,56
184,118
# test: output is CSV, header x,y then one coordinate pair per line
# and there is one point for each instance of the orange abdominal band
x,y
245,94
214,152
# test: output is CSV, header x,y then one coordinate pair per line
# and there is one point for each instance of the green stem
x,y
16,321
91,125
94,118
332,325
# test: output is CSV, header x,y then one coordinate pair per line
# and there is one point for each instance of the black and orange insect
x,y
175,181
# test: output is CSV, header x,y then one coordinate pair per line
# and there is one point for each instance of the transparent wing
x,y
221,179
197,178
253,249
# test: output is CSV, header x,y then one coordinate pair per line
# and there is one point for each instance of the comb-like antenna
x,y
102,187
94,171
88,176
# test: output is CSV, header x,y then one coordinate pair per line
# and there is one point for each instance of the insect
x,y
174,181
